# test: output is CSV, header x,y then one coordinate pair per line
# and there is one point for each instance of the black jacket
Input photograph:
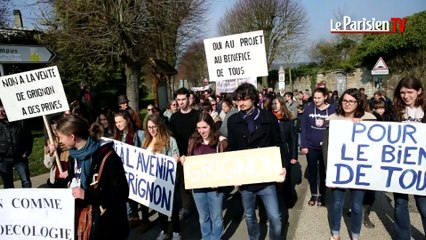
x,y
289,137
267,134
16,140
112,194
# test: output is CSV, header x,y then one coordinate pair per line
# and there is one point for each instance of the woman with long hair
x,y
312,132
208,201
410,106
127,133
108,199
172,108
106,120
289,137
352,107
158,140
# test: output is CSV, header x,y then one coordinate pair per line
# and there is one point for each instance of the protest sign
x,y
236,56
151,177
381,156
229,86
36,213
233,168
33,93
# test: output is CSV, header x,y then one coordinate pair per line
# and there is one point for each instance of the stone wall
x,y
361,77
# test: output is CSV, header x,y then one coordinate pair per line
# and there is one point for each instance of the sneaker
x,y
162,236
176,236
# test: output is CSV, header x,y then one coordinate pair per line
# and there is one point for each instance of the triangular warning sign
x,y
380,65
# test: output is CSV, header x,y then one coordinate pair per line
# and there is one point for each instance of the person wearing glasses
x,y
172,108
312,132
158,140
150,109
351,107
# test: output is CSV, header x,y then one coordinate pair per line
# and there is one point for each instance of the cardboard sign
x,y
151,177
236,56
233,168
33,93
36,213
381,156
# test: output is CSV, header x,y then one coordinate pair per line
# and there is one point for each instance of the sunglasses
x,y
150,109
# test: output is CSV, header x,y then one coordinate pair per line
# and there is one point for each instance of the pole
x,y
49,132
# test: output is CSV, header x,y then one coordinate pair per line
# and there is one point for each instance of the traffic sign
x,y
380,68
25,54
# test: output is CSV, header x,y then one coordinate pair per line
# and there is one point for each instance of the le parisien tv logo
x,y
347,25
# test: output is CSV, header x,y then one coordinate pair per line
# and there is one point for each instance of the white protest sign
x,y
381,156
233,168
36,213
33,93
229,86
151,177
236,56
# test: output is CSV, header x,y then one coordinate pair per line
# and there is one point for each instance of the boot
x,y
366,217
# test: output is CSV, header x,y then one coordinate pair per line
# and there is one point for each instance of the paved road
x,y
305,222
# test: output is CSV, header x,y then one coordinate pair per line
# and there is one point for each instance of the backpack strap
x,y
101,168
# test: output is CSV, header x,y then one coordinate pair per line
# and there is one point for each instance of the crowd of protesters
x,y
202,123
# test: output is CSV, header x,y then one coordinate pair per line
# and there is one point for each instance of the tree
x,y
193,65
4,13
281,21
121,34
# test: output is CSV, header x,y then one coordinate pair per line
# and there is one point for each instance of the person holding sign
x,y
312,132
352,107
127,133
16,144
98,178
158,140
209,201
410,106
250,128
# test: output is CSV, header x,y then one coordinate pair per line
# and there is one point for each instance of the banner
x,y
36,213
236,56
233,168
151,177
33,93
229,86
381,156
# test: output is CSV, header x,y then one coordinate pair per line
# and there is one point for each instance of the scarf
x,y
85,156
251,119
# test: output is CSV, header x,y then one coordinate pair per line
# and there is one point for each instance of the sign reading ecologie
x,y
236,56
381,156
33,93
151,177
233,168
36,213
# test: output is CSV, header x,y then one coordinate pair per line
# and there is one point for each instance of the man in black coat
x,y
16,144
250,128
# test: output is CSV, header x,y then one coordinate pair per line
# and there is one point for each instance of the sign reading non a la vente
x,y
36,213
381,156
233,168
236,56
33,93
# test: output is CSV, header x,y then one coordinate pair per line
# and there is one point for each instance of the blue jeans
x,y
357,197
22,168
402,216
270,201
209,207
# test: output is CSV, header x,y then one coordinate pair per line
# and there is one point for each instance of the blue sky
x,y
319,13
